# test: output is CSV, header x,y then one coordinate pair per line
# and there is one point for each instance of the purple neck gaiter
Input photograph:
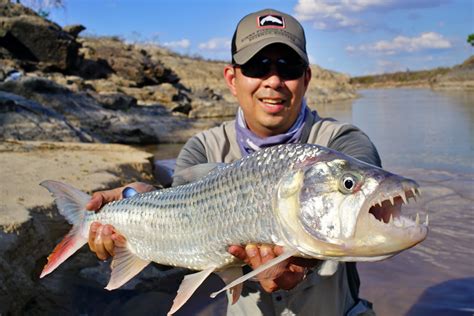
x,y
249,142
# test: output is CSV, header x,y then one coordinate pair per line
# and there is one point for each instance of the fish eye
x,y
348,183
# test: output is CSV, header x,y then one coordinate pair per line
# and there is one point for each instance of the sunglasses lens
x,y
261,67
290,70
256,67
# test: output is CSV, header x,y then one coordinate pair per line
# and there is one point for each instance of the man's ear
x,y
307,76
229,76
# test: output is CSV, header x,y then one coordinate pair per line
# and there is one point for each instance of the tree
x,y
42,7
470,39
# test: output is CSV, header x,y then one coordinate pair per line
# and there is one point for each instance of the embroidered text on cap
x,y
271,20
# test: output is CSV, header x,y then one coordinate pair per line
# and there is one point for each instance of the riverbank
x,y
459,77
29,223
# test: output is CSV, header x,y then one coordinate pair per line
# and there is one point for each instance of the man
x,y
269,76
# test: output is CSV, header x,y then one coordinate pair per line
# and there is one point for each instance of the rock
x,y
115,101
30,225
126,61
74,30
23,119
82,113
26,36
209,108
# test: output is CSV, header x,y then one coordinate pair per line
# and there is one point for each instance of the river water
x,y
428,136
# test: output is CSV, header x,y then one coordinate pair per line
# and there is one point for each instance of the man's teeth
x,y
272,101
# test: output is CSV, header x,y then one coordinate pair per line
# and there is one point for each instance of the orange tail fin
x,y
71,204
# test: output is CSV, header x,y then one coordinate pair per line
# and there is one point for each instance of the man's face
x,y
271,103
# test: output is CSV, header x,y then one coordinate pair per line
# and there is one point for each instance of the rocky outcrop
x,y
39,109
460,77
27,37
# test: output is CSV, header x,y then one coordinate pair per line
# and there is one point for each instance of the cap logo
x,y
271,21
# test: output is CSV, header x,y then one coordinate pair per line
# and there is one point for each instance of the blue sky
x,y
356,37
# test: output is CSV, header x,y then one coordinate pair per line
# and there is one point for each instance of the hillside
x,y
457,77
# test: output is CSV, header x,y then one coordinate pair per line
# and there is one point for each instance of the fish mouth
x,y
386,208
382,228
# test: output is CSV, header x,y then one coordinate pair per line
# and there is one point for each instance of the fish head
x,y
336,207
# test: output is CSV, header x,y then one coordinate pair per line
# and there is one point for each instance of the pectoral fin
x,y
125,266
188,286
230,275
263,267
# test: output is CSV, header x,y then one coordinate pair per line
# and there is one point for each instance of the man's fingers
x,y
92,235
253,255
239,252
99,245
266,253
95,202
107,240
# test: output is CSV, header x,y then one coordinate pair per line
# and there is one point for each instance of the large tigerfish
x,y
314,201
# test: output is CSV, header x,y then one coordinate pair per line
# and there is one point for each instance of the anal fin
x,y
188,286
125,266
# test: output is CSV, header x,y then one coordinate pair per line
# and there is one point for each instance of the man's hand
x,y
104,238
285,275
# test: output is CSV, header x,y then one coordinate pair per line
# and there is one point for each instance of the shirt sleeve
x,y
353,142
192,153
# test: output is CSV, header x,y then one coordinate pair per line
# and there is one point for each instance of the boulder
x,y
126,61
115,101
26,36
74,30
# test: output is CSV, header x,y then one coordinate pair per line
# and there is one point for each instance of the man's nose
x,y
273,79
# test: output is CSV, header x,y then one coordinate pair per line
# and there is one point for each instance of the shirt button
x,y
278,298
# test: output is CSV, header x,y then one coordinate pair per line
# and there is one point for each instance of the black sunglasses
x,y
287,69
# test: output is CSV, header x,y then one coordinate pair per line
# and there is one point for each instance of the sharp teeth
x,y
379,203
390,221
391,200
417,220
426,220
404,197
414,193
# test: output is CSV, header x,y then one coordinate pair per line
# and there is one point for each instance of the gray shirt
x,y
335,294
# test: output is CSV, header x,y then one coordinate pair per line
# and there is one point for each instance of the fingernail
x,y
251,250
107,230
94,226
264,251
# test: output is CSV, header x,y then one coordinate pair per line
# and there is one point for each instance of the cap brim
x,y
244,55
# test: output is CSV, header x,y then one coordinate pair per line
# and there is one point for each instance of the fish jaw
x,y
381,227
365,225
